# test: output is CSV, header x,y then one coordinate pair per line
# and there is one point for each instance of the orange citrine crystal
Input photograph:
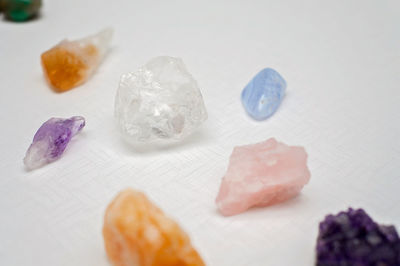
x,y
136,232
71,63
65,69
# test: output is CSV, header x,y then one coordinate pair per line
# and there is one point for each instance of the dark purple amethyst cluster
x,y
353,238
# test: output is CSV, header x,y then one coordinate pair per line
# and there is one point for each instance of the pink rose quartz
x,y
262,174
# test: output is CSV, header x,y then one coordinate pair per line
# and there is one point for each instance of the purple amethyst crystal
x,y
352,238
51,140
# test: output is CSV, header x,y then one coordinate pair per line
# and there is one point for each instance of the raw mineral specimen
x,y
159,101
137,233
353,238
20,10
51,140
264,93
71,63
262,174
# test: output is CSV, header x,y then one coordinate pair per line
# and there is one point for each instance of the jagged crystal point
x,y
159,101
51,139
71,63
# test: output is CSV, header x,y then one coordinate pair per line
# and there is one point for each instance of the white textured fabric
x,y
341,60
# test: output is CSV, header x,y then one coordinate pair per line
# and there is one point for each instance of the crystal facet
x,y
71,63
264,93
20,10
353,238
51,140
262,174
160,101
136,232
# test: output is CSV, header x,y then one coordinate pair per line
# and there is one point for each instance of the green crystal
x,y
20,10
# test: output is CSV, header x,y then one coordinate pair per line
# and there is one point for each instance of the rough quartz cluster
x,y
353,238
71,63
263,94
137,233
51,139
159,101
262,174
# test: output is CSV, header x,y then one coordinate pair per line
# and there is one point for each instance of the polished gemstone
x,y
71,63
264,93
138,233
20,10
353,238
262,174
160,101
51,139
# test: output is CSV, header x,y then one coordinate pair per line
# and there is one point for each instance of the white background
x,y
341,60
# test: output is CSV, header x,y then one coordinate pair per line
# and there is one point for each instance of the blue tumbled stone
x,y
264,93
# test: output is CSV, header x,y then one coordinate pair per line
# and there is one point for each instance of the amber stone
x,y
65,69
136,232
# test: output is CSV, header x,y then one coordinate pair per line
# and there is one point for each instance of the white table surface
x,y
341,60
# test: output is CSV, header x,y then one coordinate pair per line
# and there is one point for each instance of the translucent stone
x,y
159,101
51,139
262,174
71,63
264,93
136,232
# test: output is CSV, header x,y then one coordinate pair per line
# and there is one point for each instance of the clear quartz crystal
x,y
159,101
